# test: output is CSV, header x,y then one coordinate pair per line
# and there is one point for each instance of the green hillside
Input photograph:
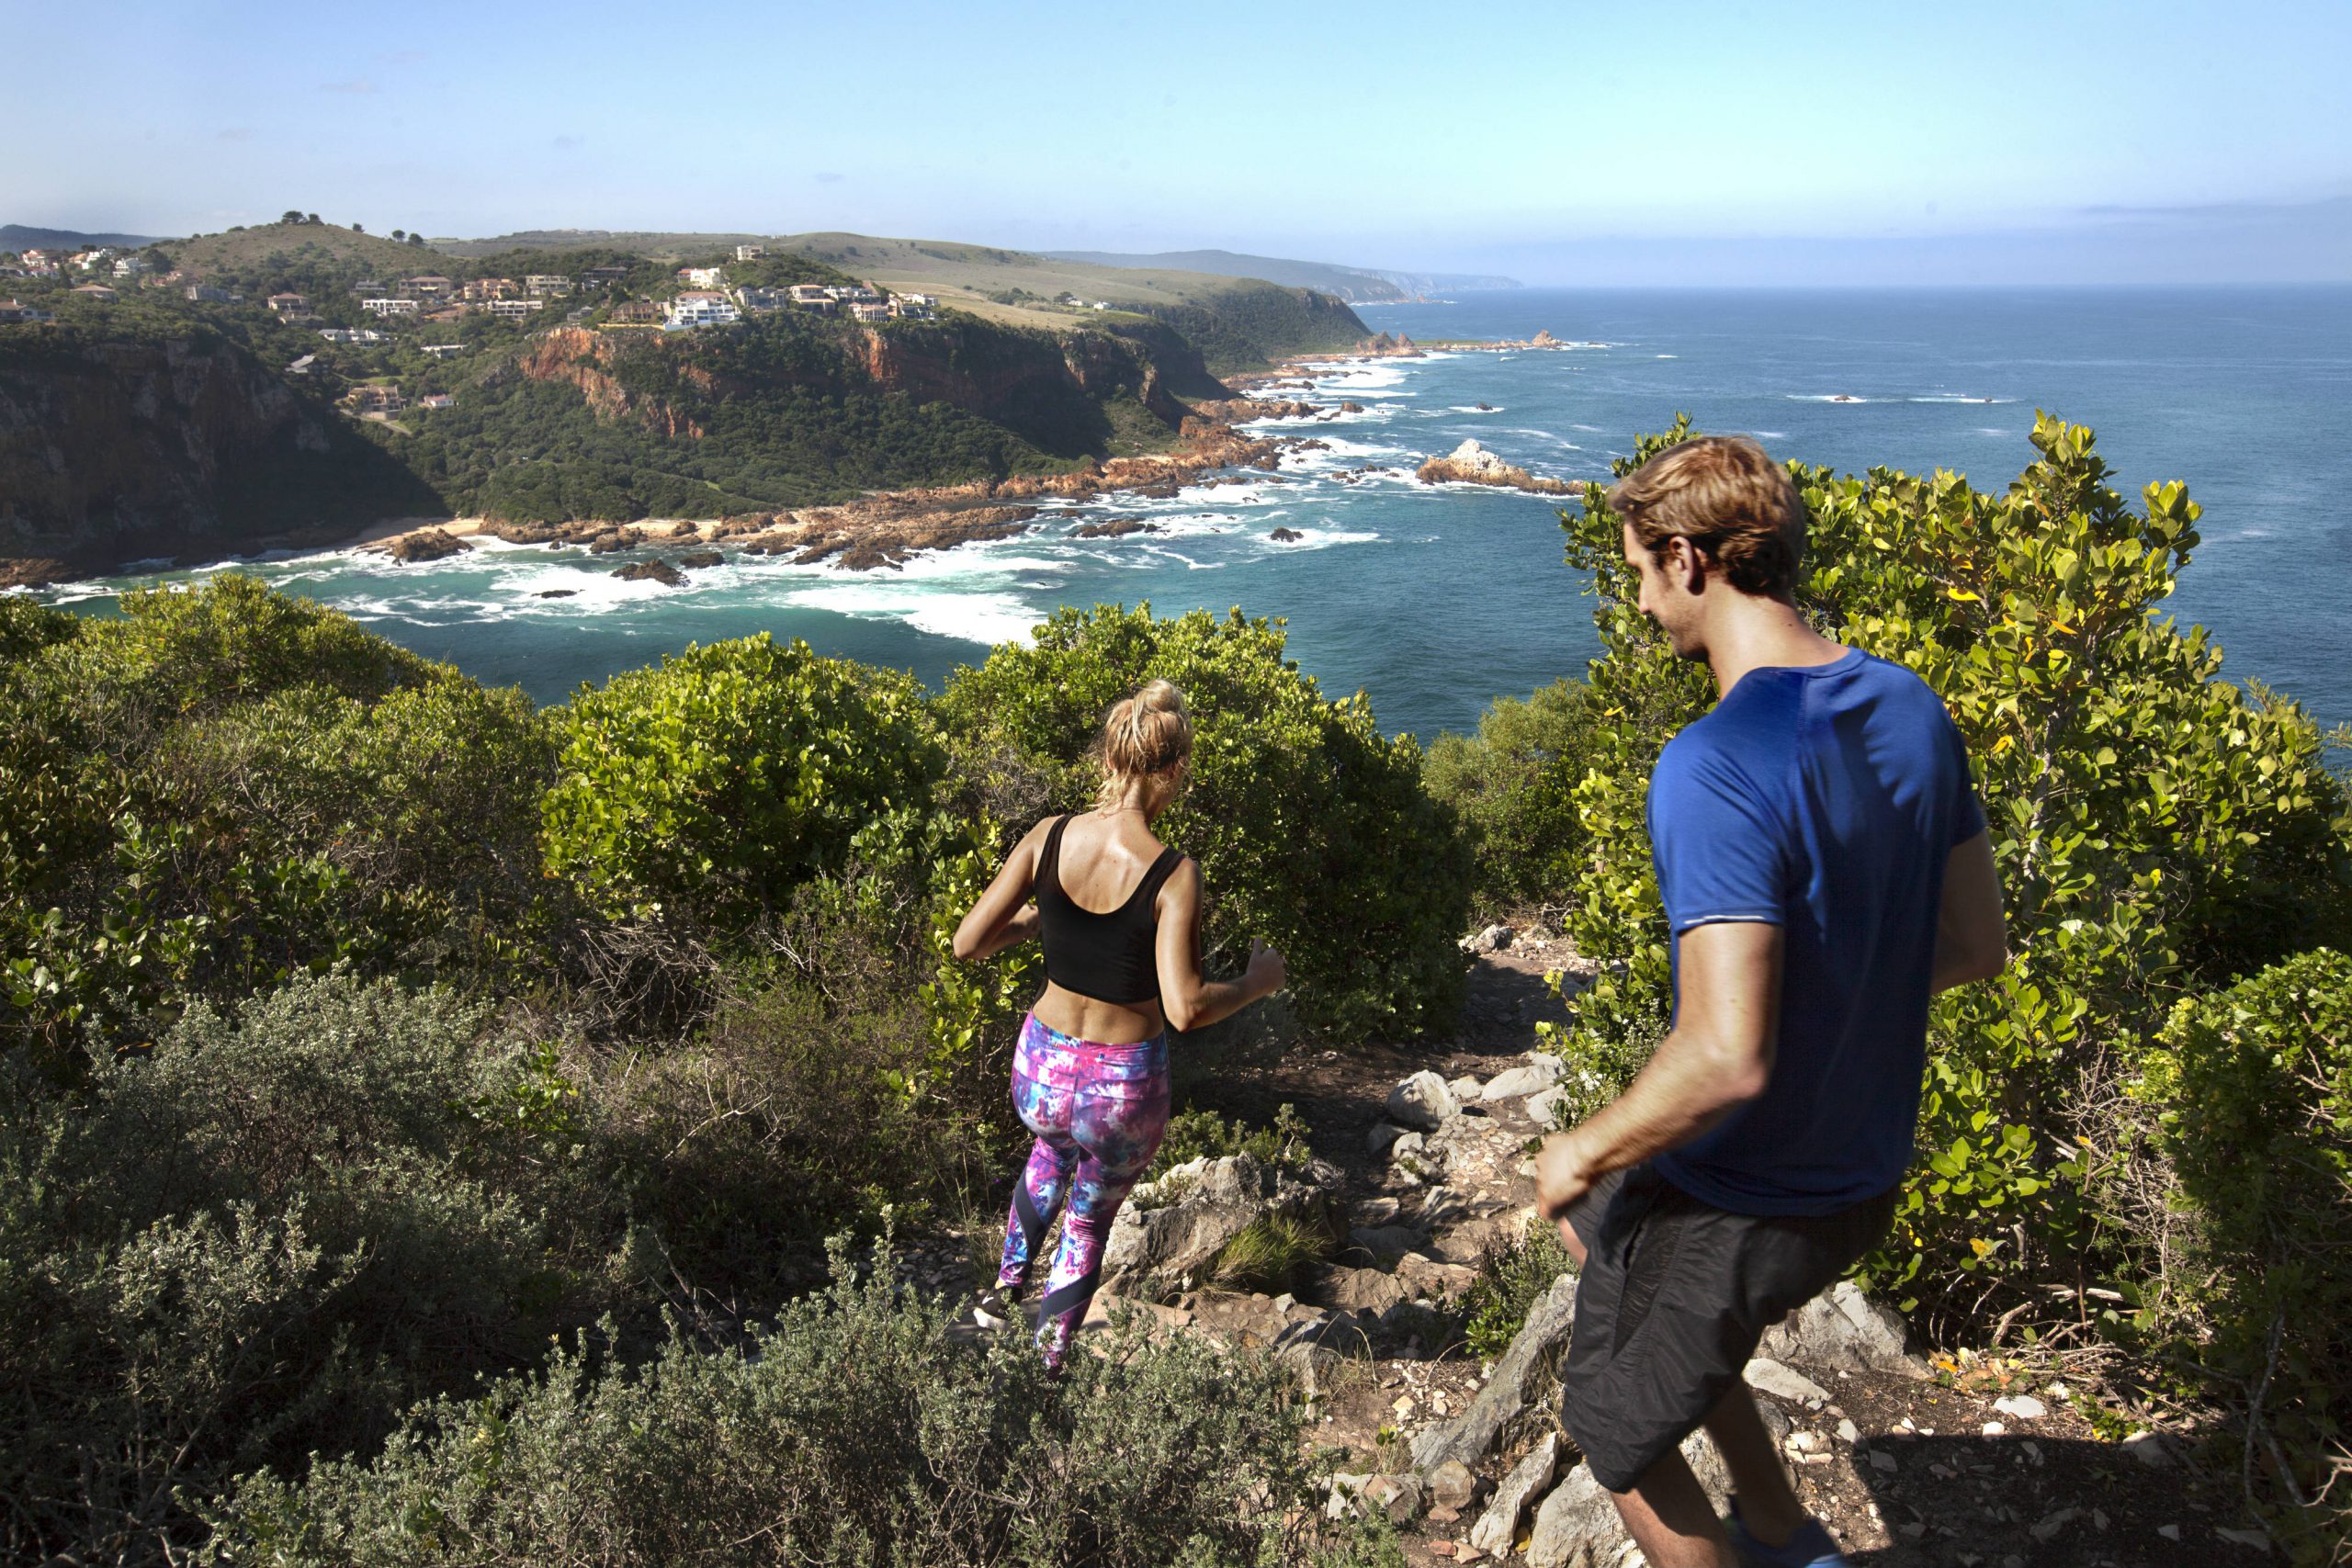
x,y
244,249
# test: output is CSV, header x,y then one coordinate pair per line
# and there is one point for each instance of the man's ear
x,y
1689,567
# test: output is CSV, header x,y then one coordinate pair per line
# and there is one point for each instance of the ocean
x,y
1434,600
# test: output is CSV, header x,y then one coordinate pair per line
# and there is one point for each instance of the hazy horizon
x,y
2081,143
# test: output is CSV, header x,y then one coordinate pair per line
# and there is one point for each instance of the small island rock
x,y
1472,464
659,571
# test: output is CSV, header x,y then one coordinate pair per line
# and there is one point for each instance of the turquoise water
x,y
1434,600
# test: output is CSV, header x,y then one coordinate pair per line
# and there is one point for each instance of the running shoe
x,y
1810,1547
994,1305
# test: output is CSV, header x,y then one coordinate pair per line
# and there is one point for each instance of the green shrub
x,y
26,626
1197,1134
228,786
1311,830
265,1236
2250,1091
1509,1284
852,1432
1513,784
2154,825
1269,1252
704,790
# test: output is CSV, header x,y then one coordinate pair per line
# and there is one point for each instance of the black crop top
x,y
1110,957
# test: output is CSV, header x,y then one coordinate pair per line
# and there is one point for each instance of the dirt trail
x,y
1907,1471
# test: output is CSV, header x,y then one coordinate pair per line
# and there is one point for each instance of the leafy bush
x,y
261,1238
228,786
2154,825
1311,830
1197,1134
1513,784
854,1431
1496,1306
704,790
2250,1091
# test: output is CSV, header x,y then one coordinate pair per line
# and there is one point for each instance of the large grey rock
x,y
1843,1330
1422,1275
1544,1109
1776,1377
1498,1526
1540,1074
1424,1101
1388,1243
1578,1526
1361,1290
1493,939
1453,1484
1383,1135
1177,1225
1471,1436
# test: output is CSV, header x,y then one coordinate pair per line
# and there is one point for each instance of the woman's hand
x,y
1267,973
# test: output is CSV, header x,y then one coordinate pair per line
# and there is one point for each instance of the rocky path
x,y
1421,1176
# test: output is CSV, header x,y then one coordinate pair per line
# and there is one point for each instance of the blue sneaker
x,y
1810,1547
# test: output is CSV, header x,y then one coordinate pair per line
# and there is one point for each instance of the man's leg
x,y
1768,1505
1669,1518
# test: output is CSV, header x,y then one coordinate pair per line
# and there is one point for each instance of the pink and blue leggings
x,y
1098,1112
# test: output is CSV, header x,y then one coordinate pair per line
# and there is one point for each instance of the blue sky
x,y
1561,143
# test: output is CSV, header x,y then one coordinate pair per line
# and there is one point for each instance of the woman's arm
x,y
1003,915
1188,1000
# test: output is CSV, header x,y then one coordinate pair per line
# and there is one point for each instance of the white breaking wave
x,y
972,618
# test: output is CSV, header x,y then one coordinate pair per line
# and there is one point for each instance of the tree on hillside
x,y
360,228
416,239
400,233
313,218
289,216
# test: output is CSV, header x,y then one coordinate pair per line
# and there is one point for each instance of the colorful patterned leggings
x,y
1098,1112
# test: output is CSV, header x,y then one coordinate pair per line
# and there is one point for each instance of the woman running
x,y
1121,917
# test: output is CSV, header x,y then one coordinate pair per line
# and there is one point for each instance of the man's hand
x,y
1562,1175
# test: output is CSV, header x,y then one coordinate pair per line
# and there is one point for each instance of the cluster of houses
x,y
433,297
99,258
709,300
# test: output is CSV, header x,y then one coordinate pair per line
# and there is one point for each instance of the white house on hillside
x,y
701,309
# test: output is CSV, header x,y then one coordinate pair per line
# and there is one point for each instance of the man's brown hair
x,y
1731,501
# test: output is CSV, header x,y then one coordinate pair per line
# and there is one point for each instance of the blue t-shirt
x,y
1825,801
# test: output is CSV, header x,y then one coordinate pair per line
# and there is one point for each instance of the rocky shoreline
x,y
883,531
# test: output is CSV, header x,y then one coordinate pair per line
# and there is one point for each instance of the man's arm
x,y
1718,1057
1972,938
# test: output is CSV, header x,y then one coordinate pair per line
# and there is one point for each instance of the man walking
x,y
1825,869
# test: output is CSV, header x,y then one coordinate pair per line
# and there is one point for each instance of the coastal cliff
x,y
117,448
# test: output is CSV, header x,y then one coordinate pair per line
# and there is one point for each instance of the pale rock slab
x,y
1422,1101
1498,1528
1470,1436
1778,1378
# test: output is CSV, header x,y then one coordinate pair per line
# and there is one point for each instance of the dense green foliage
x,y
851,1432
2159,832
689,1009
264,1235
227,787
712,784
2245,1273
1312,831
1514,783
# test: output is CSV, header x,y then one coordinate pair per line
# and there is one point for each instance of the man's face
x,y
1665,594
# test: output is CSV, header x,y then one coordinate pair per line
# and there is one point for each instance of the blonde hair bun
x,y
1146,734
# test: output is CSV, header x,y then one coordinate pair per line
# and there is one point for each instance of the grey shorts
x,y
1673,1297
